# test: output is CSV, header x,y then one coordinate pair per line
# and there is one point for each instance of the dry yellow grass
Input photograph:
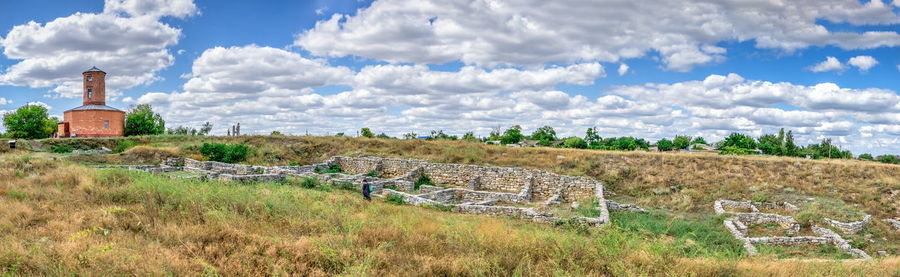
x,y
59,218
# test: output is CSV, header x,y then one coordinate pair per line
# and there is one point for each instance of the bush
x,y
372,173
226,153
423,180
347,186
889,159
395,199
292,163
61,149
731,150
664,145
125,145
332,168
866,156
575,142
309,183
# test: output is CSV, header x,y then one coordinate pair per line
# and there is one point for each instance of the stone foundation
x,y
479,189
738,224
849,227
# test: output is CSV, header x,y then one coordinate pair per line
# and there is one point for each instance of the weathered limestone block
x,y
788,223
839,242
612,205
252,178
722,206
776,206
849,227
893,222
410,198
789,240
506,211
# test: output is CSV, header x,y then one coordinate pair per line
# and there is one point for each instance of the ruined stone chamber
x,y
498,191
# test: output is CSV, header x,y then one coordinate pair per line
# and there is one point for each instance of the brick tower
x,y
94,87
94,118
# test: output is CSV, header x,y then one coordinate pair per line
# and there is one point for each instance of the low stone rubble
x,y
850,227
738,225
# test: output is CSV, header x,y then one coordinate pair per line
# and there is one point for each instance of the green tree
x,y
366,133
790,149
207,127
512,135
29,122
383,135
772,145
664,145
143,121
681,142
591,137
699,140
738,140
544,135
574,142
889,159
410,136
470,136
866,156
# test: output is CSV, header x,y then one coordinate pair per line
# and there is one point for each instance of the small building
x,y
94,118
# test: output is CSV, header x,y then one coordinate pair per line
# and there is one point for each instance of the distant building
x,y
94,118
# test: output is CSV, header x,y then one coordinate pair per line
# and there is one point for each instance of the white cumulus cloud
x,y
623,69
532,32
863,63
829,64
132,48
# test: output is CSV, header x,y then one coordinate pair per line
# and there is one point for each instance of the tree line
x,y
34,122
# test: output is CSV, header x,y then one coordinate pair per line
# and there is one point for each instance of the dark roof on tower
x,y
94,69
95,108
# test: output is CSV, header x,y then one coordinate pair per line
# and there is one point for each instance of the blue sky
x,y
402,66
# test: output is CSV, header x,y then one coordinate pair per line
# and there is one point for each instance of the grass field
x,y
61,218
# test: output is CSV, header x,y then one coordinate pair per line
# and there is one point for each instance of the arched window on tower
x,y
90,78
90,94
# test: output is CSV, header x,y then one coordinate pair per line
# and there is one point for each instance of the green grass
x,y
823,251
693,237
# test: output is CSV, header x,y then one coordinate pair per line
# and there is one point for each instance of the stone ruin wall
x,y
500,179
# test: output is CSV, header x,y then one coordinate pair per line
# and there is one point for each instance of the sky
x,y
651,69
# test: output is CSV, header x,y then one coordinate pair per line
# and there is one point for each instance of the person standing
x,y
366,190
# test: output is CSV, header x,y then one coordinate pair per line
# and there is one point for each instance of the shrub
x,y
125,145
332,168
396,199
760,197
575,142
372,173
423,180
731,150
347,186
866,156
889,159
292,163
309,183
226,153
61,149
664,145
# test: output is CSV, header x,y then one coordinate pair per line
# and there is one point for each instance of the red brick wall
x,y
91,123
97,86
